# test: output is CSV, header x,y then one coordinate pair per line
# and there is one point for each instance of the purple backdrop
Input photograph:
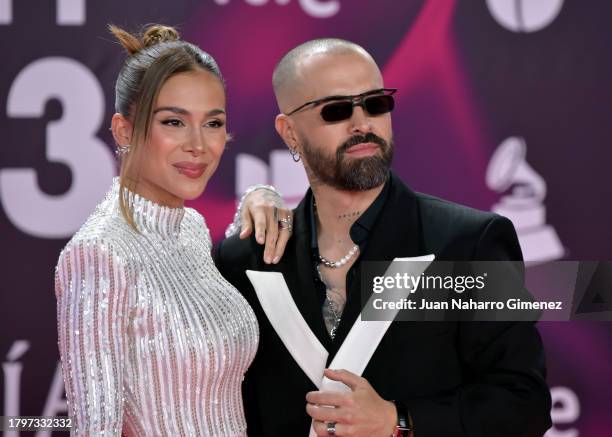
x,y
473,76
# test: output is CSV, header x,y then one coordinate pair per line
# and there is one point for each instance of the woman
x,y
153,340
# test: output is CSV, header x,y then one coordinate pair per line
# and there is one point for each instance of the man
x,y
445,379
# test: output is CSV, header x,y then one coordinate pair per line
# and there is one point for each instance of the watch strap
x,y
404,427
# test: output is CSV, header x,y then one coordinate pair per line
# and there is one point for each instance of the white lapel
x,y
287,321
308,352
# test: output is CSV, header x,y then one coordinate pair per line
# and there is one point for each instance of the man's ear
x,y
286,129
122,129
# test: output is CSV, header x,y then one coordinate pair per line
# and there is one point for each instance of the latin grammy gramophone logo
x,y
509,172
525,16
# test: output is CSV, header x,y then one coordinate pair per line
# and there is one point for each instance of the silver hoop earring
x,y
294,154
122,150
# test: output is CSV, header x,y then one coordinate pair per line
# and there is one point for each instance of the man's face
x,y
352,154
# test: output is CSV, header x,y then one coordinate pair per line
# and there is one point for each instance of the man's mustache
x,y
359,139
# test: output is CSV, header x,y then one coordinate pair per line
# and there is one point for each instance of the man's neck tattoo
x,y
344,216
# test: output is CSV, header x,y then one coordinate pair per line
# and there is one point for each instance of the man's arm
x,y
234,255
504,365
504,393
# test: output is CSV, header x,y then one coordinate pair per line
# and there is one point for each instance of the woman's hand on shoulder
x,y
266,213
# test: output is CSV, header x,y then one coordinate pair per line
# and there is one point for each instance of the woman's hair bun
x,y
157,33
154,34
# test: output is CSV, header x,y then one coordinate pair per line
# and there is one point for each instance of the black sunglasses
x,y
340,108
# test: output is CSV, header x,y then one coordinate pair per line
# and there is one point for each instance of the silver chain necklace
x,y
331,305
329,302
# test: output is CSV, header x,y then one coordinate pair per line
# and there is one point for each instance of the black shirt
x,y
359,233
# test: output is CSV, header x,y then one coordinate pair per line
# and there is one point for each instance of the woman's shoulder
x,y
101,232
194,218
196,223
95,250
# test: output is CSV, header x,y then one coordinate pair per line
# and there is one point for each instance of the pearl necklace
x,y
342,261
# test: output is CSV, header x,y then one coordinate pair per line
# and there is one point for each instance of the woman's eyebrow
x,y
182,111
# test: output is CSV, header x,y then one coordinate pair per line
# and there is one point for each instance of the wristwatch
x,y
404,427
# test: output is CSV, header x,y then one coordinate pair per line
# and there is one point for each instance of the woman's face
x,y
186,139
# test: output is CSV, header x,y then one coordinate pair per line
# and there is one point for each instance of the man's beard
x,y
351,174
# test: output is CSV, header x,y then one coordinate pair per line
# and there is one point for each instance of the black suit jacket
x,y
457,379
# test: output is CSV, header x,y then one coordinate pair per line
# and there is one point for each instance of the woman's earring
x,y
295,155
122,150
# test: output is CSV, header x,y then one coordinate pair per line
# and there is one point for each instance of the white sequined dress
x,y
153,340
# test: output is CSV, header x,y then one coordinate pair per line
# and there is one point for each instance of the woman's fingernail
x,y
276,259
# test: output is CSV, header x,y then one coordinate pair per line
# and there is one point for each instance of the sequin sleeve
x,y
92,312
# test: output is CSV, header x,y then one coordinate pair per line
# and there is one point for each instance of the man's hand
x,y
359,413
266,211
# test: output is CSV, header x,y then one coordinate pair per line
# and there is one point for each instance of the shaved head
x,y
350,154
289,79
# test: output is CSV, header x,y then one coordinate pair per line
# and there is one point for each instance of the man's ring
x,y
285,223
331,428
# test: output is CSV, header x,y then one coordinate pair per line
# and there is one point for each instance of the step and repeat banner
x,y
503,105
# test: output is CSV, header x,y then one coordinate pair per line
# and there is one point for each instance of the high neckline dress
x,y
153,340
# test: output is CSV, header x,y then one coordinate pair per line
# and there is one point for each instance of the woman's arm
x,y
92,314
262,207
